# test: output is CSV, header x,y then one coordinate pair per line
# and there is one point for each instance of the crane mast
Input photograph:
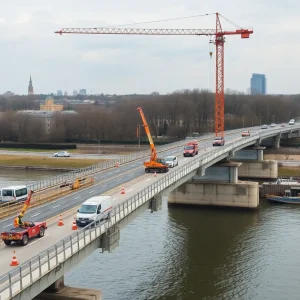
x,y
153,155
219,41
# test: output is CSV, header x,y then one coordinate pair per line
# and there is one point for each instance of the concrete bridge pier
x,y
277,141
58,291
218,187
253,165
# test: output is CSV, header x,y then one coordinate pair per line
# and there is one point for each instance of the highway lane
x,y
56,233
113,178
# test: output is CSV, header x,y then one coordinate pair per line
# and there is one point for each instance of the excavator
x,y
155,164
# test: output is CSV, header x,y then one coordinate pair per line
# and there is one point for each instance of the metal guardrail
x,y
71,176
30,271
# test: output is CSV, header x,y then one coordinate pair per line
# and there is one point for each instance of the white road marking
x,y
148,179
56,206
114,199
35,215
76,197
129,190
7,225
104,185
91,192
37,240
118,171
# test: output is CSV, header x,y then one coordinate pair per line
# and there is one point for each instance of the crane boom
x,y
26,204
219,43
153,155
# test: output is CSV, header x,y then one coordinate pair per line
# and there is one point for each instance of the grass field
x,y
36,150
59,162
288,171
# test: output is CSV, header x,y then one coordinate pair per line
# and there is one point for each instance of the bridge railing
x,y
86,171
27,273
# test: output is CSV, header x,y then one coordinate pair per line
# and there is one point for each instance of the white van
x,y
95,208
17,193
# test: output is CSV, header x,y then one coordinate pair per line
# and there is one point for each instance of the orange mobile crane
x,y
155,164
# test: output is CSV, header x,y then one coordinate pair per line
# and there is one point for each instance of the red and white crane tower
x,y
219,40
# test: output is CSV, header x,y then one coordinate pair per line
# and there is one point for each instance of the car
x,y
292,122
171,161
273,125
62,154
21,235
264,127
218,141
245,133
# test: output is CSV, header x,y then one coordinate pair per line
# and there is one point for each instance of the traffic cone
x,y
60,222
117,164
74,226
154,174
14,261
123,190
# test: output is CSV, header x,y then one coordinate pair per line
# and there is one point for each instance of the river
x,y
19,177
200,253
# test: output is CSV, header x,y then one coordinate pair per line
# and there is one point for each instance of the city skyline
x,y
142,64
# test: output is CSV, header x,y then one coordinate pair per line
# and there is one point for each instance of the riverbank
x,y
45,163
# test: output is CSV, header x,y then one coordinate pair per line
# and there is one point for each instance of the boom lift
x,y
155,164
23,211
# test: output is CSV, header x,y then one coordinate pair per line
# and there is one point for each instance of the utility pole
x,y
99,146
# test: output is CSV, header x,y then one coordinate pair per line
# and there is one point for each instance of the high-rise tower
x,y
30,87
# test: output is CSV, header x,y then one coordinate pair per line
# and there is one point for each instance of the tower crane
x,y
219,40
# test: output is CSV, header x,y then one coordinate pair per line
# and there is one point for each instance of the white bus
x,y
17,193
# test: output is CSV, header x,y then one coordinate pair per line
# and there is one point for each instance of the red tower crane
x,y
219,41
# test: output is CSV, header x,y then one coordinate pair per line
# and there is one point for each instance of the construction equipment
x,y
18,220
219,40
155,164
79,182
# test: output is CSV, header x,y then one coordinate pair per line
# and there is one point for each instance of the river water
x,y
19,177
200,253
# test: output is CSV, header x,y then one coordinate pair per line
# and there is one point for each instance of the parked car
x,y
218,141
171,161
245,133
62,154
273,125
264,127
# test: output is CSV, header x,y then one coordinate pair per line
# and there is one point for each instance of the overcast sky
x,y
143,64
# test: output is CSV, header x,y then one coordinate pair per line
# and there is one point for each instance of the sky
x,y
118,64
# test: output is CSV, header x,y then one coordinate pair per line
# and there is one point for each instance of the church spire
x,y
30,87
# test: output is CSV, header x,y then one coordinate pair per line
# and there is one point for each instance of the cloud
x,y
23,19
2,20
141,64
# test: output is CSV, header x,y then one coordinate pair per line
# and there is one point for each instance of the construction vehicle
x,y
155,164
23,231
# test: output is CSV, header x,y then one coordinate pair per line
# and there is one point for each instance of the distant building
x,y
258,84
75,93
65,94
30,87
50,106
8,94
59,93
48,118
82,92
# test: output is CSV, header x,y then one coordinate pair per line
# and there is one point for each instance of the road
x,y
132,176
50,154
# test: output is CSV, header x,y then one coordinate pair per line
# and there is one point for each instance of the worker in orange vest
x,y
19,223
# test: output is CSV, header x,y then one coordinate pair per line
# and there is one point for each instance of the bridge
x,y
56,253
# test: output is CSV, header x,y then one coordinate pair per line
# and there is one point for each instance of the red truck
x,y
21,235
190,149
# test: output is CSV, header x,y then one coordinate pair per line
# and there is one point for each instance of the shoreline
x,y
37,168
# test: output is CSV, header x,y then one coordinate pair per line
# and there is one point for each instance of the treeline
x,y
176,116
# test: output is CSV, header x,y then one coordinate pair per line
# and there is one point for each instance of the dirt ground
x,y
109,149
281,157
